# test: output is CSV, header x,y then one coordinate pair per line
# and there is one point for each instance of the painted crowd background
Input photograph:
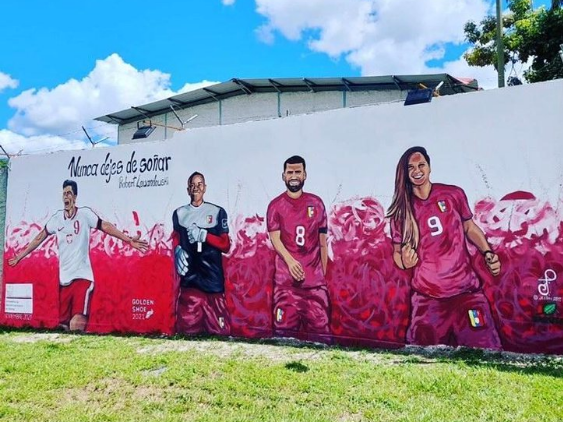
x,y
502,147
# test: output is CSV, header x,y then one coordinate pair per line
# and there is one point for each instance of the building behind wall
x,y
241,100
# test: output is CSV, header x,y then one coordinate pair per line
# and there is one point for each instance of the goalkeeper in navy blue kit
x,y
202,235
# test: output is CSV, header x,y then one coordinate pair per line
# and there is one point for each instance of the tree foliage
x,y
527,33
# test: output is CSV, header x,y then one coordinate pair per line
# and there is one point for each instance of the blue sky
x,y
65,62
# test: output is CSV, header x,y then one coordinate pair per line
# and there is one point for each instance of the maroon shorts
x,y
200,312
303,313
463,320
75,299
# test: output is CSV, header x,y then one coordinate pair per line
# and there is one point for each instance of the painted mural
x,y
431,228
297,227
72,226
366,239
202,231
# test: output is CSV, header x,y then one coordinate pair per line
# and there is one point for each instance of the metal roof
x,y
236,86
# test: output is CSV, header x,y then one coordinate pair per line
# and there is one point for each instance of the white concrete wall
x,y
490,143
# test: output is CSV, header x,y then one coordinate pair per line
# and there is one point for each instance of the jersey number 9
x,y
435,226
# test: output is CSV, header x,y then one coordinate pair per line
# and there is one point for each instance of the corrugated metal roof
x,y
236,86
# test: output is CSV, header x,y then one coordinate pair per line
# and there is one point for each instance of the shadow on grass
x,y
296,367
548,365
508,362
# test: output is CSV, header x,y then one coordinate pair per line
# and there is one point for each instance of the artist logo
x,y
549,276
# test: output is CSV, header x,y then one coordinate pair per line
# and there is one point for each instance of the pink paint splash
x,y
249,278
369,295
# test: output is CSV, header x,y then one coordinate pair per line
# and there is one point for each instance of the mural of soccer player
x,y
202,232
430,223
72,226
297,226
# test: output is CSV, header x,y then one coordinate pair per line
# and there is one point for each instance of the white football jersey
x,y
73,237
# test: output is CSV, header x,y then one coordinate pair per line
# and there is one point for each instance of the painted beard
x,y
296,187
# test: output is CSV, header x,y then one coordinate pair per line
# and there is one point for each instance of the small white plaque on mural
x,y
19,298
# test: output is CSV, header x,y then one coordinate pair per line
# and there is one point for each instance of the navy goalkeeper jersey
x,y
205,268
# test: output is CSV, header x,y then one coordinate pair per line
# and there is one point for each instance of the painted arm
x,y
324,251
295,268
477,237
134,242
37,240
223,243
405,256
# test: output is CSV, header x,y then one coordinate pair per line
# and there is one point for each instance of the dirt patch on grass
x,y
282,351
50,337
235,349
114,393
290,350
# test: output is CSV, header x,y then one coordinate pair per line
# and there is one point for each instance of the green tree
x,y
526,33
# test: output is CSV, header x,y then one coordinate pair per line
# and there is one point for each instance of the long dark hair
x,y
401,206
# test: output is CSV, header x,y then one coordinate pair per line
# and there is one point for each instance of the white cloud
x,y
111,86
15,143
378,36
6,81
228,2
193,86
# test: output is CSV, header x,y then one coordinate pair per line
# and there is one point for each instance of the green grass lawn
x,y
62,377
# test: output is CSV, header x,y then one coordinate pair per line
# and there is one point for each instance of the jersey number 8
x,y
300,235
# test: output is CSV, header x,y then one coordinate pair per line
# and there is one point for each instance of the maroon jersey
x,y
299,221
444,268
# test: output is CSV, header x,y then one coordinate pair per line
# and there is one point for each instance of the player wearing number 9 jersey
x,y
430,223
72,226
297,225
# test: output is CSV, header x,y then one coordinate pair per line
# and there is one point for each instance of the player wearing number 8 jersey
x,y
430,223
72,226
297,225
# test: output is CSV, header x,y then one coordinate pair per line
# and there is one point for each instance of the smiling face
x,y
294,177
196,189
418,170
69,199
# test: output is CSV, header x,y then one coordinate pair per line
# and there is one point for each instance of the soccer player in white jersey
x,y
72,227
